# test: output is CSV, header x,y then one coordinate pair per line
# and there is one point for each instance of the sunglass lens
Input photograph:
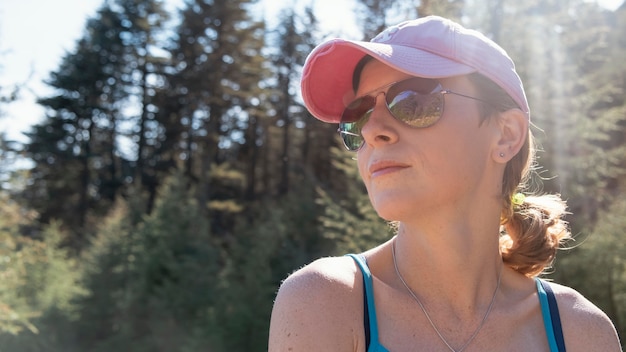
x,y
351,132
415,109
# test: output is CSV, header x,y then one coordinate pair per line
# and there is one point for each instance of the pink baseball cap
x,y
429,47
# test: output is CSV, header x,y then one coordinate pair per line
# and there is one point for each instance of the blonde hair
x,y
533,230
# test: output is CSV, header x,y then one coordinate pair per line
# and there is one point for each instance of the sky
x,y
35,34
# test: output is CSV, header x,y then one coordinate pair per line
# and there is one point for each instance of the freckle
x,y
289,334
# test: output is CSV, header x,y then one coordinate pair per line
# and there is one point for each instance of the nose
x,y
381,127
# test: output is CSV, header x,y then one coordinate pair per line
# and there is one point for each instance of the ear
x,y
512,128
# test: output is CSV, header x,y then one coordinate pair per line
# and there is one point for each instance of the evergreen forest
x,y
176,178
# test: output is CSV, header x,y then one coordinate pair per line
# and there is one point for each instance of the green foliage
x,y
598,266
40,283
17,253
248,283
350,221
151,282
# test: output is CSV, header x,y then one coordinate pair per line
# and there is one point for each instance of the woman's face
x,y
411,172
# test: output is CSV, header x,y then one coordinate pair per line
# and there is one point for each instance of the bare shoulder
x,y
316,308
585,326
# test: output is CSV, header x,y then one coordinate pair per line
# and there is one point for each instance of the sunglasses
x,y
416,102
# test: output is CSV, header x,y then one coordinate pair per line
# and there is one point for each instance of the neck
x,y
458,265
429,318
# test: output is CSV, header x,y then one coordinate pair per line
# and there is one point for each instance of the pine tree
x,y
40,282
151,282
68,148
143,22
80,167
214,88
17,253
72,147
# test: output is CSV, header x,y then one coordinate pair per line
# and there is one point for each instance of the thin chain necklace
x,y
493,300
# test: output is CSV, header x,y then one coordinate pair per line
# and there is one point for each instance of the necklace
x,y
493,300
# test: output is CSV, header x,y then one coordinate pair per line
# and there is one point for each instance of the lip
x,y
383,167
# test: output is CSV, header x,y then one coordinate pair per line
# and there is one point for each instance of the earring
x,y
501,154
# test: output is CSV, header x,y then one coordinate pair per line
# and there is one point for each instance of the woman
x,y
440,123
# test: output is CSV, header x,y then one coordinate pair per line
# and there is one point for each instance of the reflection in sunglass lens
x,y
415,109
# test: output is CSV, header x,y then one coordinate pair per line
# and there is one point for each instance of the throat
x,y
446,335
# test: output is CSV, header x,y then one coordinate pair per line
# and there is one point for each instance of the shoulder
x,y
329,272
585,326
318,308
325,278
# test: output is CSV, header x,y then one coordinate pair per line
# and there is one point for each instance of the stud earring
x,y
501,155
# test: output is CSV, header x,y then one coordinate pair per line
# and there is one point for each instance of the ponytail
x,y
533,233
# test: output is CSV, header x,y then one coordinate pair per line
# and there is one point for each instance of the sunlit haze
x,y
35,34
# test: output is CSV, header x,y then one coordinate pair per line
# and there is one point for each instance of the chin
x,y
392,210
401,205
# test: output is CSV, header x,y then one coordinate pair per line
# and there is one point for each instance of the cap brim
x,y
327,77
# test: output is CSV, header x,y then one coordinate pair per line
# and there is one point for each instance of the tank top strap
x,y
551,316
371,322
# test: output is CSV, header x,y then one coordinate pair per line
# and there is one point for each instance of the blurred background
x,y
159,175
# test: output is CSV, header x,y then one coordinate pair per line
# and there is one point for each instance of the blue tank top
x,y
547,301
